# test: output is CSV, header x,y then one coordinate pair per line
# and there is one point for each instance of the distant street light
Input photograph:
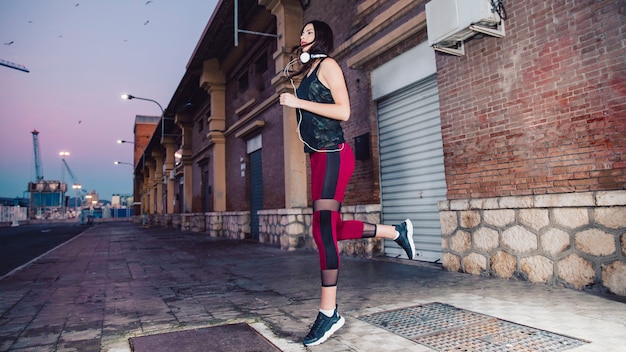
x,y
122,162
120,141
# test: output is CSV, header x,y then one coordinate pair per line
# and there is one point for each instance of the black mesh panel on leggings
x,y
369,230
329,277
326,204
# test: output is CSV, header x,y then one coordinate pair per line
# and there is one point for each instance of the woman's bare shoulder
x,y
330,66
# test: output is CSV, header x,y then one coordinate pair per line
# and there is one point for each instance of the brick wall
x,y
273,159
542,110
272,164
143,133
236,186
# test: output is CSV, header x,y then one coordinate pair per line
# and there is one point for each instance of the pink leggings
x,y
330,173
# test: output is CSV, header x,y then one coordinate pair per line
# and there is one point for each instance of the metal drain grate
x,y
447,328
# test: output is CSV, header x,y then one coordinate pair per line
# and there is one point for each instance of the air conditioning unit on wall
x,y
451,22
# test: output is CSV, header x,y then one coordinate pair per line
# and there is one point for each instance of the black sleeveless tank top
x,y
317,131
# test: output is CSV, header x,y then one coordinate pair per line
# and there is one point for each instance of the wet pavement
x,y
118,281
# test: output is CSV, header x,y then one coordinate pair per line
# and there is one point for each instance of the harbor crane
x,y
46,196
76,182
38,167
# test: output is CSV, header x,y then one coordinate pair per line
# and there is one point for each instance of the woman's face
x,y
307,37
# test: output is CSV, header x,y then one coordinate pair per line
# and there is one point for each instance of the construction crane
x,y
38,167
75,180
46,196
13,65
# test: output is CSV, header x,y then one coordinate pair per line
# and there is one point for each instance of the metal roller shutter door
x,y
412,169
256,191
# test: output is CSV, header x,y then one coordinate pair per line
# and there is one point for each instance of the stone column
x,y
150,185
219,170
158,180
288,26
188,189
145,191
170,148
186,125
214,82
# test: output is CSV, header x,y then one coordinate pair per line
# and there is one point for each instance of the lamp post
x,y
63,154
130,97
40,187
77,187
131,165
121,141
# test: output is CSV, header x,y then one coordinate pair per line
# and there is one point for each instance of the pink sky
x,y
82,55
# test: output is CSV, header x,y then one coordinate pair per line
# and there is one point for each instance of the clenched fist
x,y
290,100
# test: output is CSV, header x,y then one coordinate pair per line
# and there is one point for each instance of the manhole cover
x,y
224,338
445,328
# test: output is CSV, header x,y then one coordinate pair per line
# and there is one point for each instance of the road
x,y
19,245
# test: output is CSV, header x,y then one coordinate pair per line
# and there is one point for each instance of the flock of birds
x,y
78,4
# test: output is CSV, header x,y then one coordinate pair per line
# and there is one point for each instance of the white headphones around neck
x,y
306,57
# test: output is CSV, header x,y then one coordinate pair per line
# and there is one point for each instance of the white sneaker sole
x,y
328,333
409,235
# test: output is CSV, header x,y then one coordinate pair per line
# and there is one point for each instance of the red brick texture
x,y
143,133
542,110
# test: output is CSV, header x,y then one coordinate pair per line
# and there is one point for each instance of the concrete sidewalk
x,y
116,281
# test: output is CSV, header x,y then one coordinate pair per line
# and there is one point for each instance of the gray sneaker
x,y
405,240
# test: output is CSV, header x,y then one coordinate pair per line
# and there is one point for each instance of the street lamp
x,y
120,141
122,162
131,97
77,187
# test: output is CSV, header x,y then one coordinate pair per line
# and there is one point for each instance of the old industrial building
x,y
506,146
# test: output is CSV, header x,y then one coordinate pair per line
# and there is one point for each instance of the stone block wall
x,y
290,229
177,220
163,220
193,222
577,240
287,229
234,225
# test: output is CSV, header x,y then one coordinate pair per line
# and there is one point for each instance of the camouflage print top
x,y
317,131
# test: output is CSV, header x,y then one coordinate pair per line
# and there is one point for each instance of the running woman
x,y
322,103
